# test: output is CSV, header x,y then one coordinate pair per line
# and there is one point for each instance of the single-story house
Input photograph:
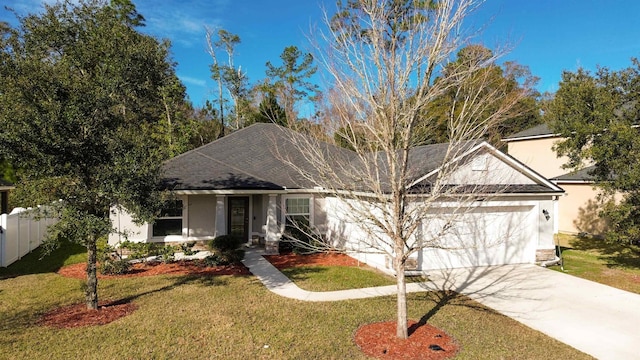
x,y
240,184
578,209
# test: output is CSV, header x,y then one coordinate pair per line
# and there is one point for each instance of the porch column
x,y
221,216
272,236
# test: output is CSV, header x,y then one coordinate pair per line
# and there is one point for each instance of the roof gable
x,y
486,169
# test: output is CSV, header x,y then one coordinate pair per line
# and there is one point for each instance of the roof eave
x,y
532,137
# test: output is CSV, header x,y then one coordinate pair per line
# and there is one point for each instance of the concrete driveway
x,y
599,320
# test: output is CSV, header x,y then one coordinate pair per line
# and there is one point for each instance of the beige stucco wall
x,y
578,210
201,215
538,154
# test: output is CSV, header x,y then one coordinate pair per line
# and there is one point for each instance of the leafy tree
x,y
269,111
205,126
291,79
7,172
510,81
177,125
383,59
597,115
82,101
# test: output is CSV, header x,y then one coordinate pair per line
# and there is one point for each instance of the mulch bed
x,y
377,339
284,261
78,271
425,342
77,315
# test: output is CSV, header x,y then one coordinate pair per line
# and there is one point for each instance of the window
x,y
479,163
170,220
297,211
298,223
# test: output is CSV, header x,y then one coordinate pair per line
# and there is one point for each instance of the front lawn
x,y
607,263
235,317
36,263
332,278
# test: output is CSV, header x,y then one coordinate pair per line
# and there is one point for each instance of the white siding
x,y
495,171
485,233
123,224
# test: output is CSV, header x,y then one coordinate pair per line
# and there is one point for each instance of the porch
x,y
200,216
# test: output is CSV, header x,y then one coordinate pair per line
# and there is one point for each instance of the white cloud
x,y
192,81
182,22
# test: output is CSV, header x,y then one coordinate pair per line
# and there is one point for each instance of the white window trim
x,y
283,208
184,229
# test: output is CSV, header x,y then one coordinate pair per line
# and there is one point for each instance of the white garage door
x,y
487,235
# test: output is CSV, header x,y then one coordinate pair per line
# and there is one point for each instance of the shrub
x,y
228,247
137,250
140,250
187,248
213,260
110,262
114,267
165,253
299,240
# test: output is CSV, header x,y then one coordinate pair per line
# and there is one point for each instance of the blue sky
x,y
549,36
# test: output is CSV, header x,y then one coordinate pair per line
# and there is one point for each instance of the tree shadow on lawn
x,y
298,274
37,263
615,254
467,287
13,321
203,280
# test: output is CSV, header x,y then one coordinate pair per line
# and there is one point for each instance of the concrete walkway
x,y
278,283
599,320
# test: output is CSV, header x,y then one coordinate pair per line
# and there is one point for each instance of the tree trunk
x,y
401,326
91,292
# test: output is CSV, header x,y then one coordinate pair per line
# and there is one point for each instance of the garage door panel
x,y
480,237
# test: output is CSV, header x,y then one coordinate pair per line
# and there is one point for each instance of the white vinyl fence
x,y
20,233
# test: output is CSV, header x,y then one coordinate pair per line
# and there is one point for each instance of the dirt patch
x,y
284,261
191,267
425,342
78,315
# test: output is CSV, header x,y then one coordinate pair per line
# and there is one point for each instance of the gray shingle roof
x,y
244,159
536,131
253,158
580,175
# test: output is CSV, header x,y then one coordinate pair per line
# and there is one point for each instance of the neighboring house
x,y
240,184
4,196
578,208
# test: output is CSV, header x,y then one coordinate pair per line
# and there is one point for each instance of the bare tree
x,y
235,80
385,60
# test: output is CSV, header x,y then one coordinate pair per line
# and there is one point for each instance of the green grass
x,y
227,317
612,264
332,278
37,263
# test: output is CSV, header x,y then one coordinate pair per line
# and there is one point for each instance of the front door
x,y
239,217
